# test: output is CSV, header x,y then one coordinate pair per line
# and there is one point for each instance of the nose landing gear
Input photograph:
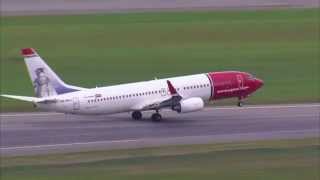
x,y
240,102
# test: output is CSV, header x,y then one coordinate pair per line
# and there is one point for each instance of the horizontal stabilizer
x,y
21,98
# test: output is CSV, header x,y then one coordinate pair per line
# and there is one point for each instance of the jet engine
x,y
189,105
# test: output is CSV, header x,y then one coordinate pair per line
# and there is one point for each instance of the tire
x,y
240,104
156,117
136,115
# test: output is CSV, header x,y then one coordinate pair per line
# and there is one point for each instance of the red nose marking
x,y
225,84
232,84
259,83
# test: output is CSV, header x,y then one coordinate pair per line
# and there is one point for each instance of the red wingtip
x,y
171,88
28,52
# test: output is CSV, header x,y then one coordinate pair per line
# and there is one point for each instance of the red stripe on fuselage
x,y
225,84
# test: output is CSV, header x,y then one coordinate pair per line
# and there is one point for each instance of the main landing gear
x,y
156,117
137,115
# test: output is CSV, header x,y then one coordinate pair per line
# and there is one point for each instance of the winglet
x,y
28,52
172,90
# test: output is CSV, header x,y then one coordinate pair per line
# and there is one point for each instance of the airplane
x,y
182,94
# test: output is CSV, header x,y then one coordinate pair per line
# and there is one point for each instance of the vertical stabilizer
x,y
45,80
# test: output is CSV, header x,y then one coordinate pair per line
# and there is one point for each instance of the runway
x,y
41,133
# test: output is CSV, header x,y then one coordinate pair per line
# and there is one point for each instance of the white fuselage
x,y
129,97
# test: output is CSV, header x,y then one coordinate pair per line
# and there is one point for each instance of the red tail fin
x,y
28,52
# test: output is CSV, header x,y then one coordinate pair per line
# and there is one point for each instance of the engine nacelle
x,y
189,105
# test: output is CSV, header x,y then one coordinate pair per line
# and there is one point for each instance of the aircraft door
x,y
76,103
240,81
163,92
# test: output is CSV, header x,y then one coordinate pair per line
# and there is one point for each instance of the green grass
x,y
279,46
276,160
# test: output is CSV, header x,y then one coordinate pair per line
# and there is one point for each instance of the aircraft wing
x,y
165,102
149,104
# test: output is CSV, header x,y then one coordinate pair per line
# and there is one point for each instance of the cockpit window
x,y
250,77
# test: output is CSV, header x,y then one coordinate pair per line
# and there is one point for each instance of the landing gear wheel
x,y
240,103
156,117
136,115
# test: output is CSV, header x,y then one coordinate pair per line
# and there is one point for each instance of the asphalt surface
x,y
41,133
29,7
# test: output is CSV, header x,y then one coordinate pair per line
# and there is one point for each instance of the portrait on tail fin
x,y
42,85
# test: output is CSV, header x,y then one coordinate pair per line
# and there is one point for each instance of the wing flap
x,y
149,104
47,101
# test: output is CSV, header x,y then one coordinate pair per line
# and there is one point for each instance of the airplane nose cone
x,y
259,83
